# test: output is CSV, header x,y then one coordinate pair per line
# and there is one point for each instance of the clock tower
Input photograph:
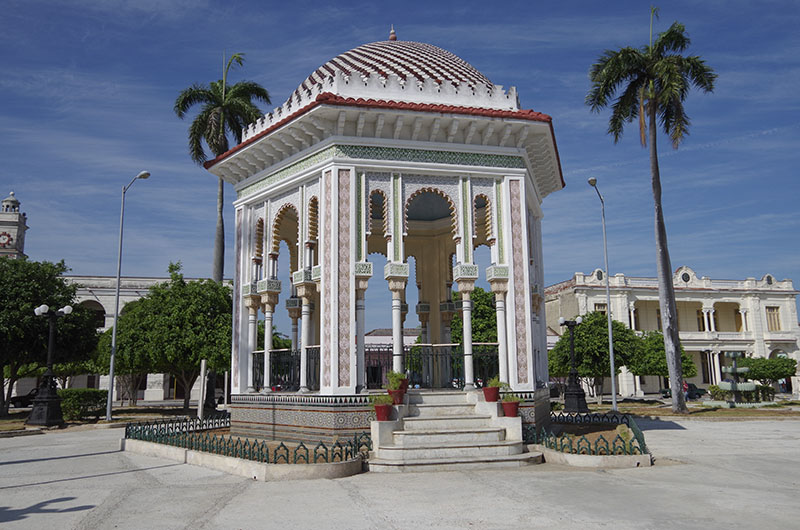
x,y
12,228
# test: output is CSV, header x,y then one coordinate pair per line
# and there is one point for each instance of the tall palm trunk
x,y
219,237
666,291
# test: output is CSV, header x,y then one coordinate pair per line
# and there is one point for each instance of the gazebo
x,y
402,149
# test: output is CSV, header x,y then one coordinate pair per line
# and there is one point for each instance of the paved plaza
x,y
708,474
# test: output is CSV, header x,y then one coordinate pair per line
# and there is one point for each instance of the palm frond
x,y
674,40
190,97
249,90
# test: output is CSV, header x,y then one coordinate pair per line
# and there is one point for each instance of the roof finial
x,y
392,34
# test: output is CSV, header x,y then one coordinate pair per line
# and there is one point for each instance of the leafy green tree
x,y
769,371
279,340
24,285
653,82
176,325
132,361
591,349
225,110
484,318
652,359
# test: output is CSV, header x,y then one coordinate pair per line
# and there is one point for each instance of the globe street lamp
x,y
593,183
110,398
574,396
47,405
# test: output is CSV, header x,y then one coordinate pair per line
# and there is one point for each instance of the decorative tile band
x,y
301,276
497,272
465,271
269,286
396,270
363,269
364,152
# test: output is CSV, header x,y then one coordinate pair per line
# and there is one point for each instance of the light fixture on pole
x,y
47,405
110,398
574,396
593,183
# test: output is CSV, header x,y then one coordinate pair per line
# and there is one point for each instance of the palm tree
x,y
653,83
225,110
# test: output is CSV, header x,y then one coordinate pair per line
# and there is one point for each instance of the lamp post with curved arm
x,y
593,183
110,398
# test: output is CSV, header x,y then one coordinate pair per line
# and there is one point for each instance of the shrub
x,y
555,406
495,382
767,392
395,379
78,403
381,399
511,398
750,396
717,394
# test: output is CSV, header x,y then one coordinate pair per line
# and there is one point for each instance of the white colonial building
x,y
755,316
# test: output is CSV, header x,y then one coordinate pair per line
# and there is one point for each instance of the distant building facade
x,y
758,317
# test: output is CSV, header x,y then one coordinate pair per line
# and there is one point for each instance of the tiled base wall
x,y
300,418
535,410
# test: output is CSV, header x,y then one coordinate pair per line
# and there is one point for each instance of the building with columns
x,y
405,150
755,316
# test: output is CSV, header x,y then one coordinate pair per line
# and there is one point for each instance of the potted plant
x,y
491,392
511,404
383,406
395,387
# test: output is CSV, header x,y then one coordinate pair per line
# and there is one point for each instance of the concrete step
x,y
447,409
436,398
450,450
428,438
438,423
453,464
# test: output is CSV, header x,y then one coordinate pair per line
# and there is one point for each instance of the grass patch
x,y
15,421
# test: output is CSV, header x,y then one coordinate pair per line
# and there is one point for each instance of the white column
x,y
361,368
743,313
711,320
705,320
294,334
717,370
502,333
268,312
305,337
397,332
466,308
632,310
252,337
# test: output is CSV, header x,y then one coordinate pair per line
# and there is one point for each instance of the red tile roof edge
x,y
327,98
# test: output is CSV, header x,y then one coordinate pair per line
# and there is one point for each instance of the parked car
x,y
694,392
26,400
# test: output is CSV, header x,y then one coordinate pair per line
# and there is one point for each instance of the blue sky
x,y
88,88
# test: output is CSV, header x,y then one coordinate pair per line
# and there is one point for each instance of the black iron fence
x,y
192,434
432,365
284,369
621,444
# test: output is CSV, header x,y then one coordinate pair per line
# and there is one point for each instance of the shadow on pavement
x,y
88,476
56,458
8,515
653,423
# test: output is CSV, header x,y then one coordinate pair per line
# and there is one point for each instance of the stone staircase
x,y
448,430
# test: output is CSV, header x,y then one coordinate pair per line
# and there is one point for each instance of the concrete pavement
x,y
708,474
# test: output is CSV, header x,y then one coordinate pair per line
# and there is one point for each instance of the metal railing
x,y
432,365
188,434
567,443
284,369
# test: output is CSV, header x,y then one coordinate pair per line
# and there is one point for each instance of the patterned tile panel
x,y
346,341
519,282
327,294
237,298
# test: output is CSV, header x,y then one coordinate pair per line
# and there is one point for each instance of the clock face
x,y
5,239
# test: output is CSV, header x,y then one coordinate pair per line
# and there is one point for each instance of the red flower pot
x,y
397,396
491,393
382,412
510,408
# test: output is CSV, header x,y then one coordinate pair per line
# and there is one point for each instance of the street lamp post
x,y
110,398
593,183
574,396
47,405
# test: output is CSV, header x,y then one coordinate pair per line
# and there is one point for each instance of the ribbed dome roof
x,y
409,61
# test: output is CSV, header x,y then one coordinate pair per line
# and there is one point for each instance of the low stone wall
x,y
300,418
599,461
245,468
535,410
